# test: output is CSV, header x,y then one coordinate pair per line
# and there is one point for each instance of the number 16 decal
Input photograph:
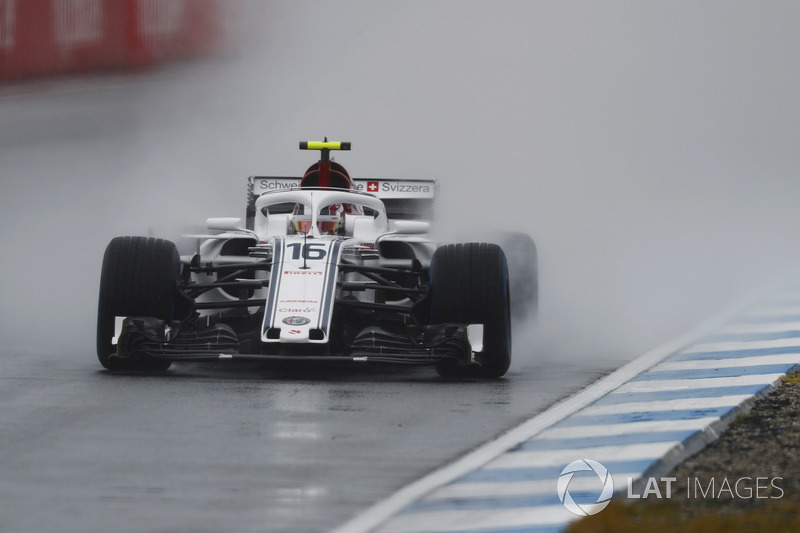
x,y
311,251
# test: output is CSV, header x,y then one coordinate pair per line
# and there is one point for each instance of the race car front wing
x,y
147,337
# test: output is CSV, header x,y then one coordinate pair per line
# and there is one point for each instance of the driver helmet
x,y
330,220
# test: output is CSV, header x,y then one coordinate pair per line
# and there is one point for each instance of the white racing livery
x,y
324,269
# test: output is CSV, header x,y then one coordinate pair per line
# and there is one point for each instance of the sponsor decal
x,y
296,321
397,188
400,187
299,301
278,185
304,272
294,332
301,310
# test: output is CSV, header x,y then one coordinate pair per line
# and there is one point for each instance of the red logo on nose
x,y
372,186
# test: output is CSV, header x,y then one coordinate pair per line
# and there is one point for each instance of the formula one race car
x,y
325,268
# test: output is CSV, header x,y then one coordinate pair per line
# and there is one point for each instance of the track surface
x,y
204,448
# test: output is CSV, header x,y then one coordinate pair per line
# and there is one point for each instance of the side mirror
x,y
225,224
409,227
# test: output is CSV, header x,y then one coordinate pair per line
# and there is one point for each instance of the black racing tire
x,y
139,278
469,285
523,272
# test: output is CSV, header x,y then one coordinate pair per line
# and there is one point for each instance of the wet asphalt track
x,y
246,449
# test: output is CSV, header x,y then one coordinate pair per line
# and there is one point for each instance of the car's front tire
x,y
139,278
469,285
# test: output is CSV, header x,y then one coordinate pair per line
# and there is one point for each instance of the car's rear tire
x,y
139,278
469,285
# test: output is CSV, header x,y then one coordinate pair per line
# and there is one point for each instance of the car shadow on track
x,y
296,371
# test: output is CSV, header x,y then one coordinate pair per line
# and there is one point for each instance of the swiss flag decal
x,y
372,186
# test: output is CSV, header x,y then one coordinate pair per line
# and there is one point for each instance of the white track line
x,y
700,383
482,519
561,458
738,346
666,405
479,490
707,364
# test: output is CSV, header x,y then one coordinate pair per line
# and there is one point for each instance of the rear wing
x,y
404,199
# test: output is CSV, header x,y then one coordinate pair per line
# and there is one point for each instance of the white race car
x,y
324,268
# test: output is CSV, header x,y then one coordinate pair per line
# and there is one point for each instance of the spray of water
x,y
648,149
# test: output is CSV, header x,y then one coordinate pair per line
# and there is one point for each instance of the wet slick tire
x,y
469,285
139,278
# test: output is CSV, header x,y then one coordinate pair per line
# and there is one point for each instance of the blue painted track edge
x,y
381,512
700,439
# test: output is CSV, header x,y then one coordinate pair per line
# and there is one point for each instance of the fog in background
x,y
650,148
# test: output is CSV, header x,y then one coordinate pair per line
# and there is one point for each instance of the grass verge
x,y
777,516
